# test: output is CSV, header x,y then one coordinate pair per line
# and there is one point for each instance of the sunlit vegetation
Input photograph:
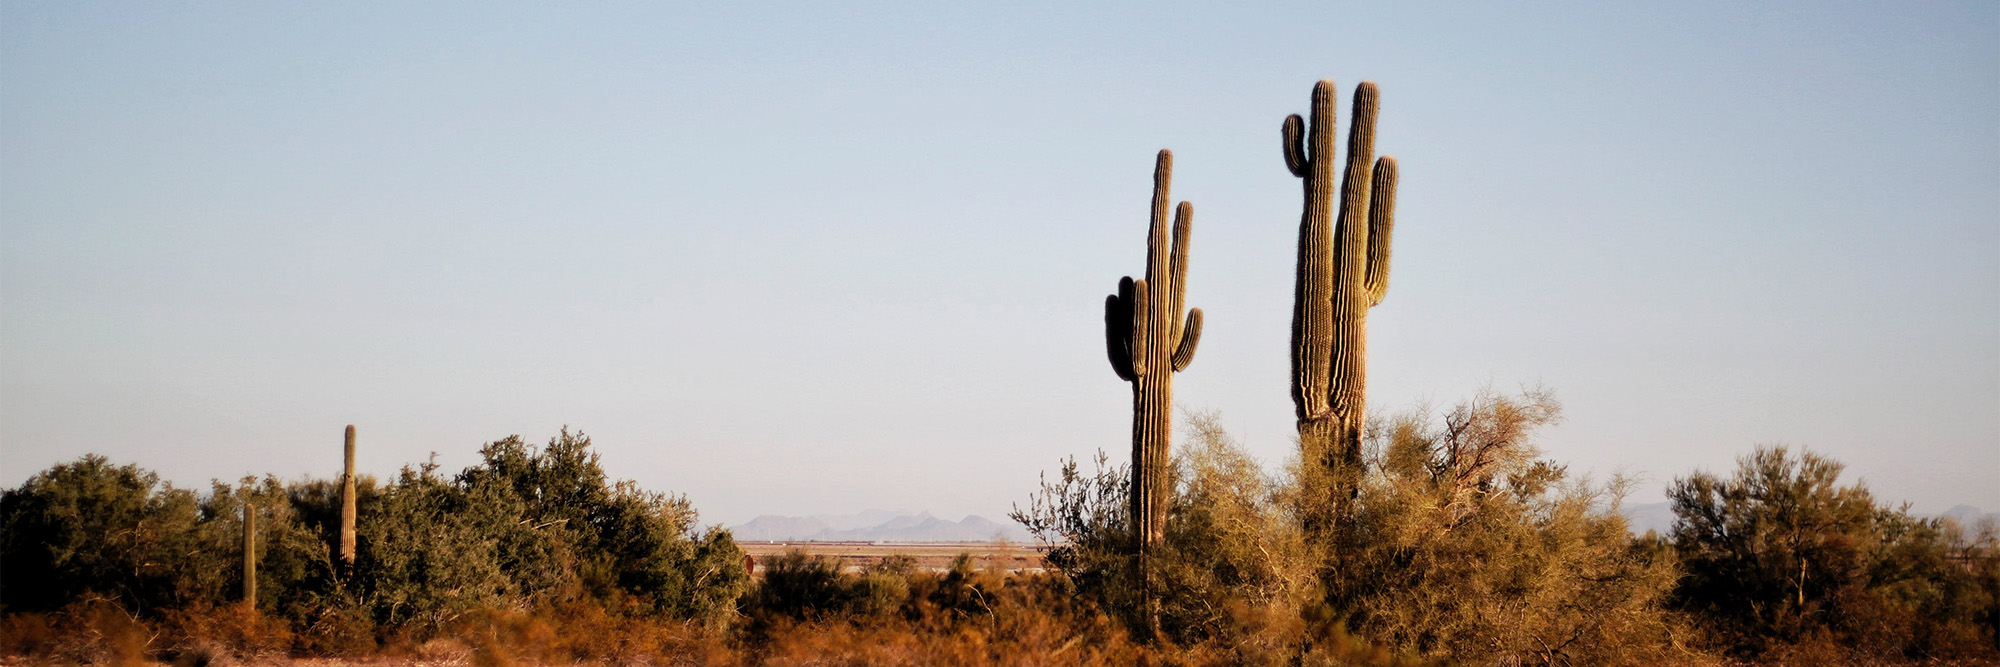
x,y
1454,542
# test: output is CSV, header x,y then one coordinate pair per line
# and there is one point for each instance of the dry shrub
x,y
1451,539
210,634
582,632
961,617
1235,563
1459,541
94,631
26,634
336,632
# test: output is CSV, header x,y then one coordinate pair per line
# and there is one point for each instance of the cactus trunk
x,y
249,554
1148,342
1343,270
347,504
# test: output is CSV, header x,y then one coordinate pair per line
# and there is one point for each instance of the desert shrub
x,y
1452,539
964,616
574,632
878,593
801,586
89,528
1087,518
92,629
426,552
1780,556
295,566
533,523
1231,566
205,634
1234,558
1458,540
525,528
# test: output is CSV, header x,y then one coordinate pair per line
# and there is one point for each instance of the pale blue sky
x,y
796,259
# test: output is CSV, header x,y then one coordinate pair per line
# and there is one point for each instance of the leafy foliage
x,y
91,528
1781,553
526,527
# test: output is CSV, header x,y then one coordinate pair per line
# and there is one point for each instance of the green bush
x,y
802,586
89,528
524,527
1782,554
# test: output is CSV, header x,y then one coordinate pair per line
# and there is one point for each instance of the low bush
x,y
1780,555
1453,541
526,528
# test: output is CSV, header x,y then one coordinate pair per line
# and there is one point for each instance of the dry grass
x,y
964,617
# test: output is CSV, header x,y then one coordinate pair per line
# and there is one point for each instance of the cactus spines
x,y
347,503
1343,269
249,554
1148,341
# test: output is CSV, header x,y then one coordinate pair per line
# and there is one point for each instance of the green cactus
x,y
1343,271
1148,342
347,504
249,554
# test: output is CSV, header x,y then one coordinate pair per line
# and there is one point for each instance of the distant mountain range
x,y
900,526
877,526
1641,517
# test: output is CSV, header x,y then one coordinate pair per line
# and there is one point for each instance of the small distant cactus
x,y
1343,270
1148,342
249,554
347,504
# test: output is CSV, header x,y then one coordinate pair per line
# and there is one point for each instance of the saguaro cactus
x,y
1148,342
1343,270
249,554
347,504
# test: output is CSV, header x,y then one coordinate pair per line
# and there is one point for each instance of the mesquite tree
x,y
1149,341
1343,270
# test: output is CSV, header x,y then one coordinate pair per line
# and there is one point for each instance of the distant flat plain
x,y
934,556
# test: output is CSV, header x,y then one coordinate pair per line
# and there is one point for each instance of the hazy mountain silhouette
x,y
1641,517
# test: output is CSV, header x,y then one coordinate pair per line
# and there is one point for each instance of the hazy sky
x,y
795,259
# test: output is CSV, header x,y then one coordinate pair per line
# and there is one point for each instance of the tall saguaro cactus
x,y
249,554
1149,341
347,504
1343,270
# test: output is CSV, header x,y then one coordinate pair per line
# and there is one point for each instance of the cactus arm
x,y
1140,329
1295,148
1118,330
1381,223
1354,187
1177,299
1190,336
